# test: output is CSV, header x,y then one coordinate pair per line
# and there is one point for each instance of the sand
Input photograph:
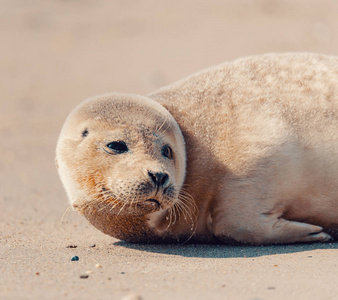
x,y
55,54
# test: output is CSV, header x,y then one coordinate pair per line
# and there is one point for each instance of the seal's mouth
x,y
155,202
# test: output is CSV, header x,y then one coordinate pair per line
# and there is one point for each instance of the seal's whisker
x,y
168,125
132,202
159,128
65,212
193,229
170,218
110,205
175,215
187,215
181,209
125,203
184,206
163,123
189,201
115,204
192,234
187,205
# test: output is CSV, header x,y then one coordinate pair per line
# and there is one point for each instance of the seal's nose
x,y
160,179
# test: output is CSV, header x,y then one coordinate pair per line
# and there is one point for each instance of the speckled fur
x,y
261,138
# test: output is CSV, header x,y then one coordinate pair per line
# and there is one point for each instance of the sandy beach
x,y
56,53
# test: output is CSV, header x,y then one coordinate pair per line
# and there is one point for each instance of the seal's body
x,y
245,151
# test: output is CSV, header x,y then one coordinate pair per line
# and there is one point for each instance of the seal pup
x,y
246,151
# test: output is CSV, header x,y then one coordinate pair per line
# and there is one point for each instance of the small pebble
x,y
92,246
89,272
37,273
75,258
98,266
71,246
84,276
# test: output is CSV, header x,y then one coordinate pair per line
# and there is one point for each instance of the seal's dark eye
x,y
85,132
167,152
118,147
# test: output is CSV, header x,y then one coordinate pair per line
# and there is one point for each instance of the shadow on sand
x,y
225,251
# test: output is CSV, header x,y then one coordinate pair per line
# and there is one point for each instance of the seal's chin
x,y
147,206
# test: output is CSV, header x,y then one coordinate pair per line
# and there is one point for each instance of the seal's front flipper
x,y
262,229
283,232
317,237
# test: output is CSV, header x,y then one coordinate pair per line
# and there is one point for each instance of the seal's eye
x,y
85,133
118,147
167,152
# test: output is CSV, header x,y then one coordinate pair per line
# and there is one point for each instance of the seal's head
x,y
121,154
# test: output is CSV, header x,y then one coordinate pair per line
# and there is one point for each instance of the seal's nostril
x,y
153,177
160,179
164,179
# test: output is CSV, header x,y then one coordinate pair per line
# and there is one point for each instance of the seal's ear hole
x,y
167,152
118,147
85,132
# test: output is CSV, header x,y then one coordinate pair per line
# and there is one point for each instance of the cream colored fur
x,y
261,138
